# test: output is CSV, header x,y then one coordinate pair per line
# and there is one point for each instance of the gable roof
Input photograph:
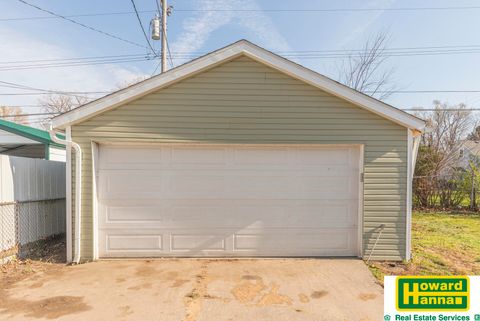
x,y
35,134
242,47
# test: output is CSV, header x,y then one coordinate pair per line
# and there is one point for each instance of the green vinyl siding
x,y
243,101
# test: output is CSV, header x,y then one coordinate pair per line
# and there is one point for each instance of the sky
x,y
196,27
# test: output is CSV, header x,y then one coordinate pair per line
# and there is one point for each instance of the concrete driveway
x,y
197,289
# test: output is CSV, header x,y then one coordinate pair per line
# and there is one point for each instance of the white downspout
x,y
416,144
78,189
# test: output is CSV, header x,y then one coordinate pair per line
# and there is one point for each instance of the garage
x,y
228,200
239,153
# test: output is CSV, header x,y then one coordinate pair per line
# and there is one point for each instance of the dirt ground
x,y
189,289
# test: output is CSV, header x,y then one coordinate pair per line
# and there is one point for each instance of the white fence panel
x,y
29,179
32,200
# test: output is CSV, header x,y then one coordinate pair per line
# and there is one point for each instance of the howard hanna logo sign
x,y
452,298
433,293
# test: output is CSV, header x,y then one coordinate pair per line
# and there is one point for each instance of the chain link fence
x,y
23,222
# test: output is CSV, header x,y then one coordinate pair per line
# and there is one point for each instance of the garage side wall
x,y
243,101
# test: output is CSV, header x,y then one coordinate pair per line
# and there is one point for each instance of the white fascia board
x,y
259,54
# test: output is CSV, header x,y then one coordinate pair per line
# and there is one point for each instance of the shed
x,y
25,141
241,153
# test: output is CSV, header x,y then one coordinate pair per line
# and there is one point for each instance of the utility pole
x,y
159,30
164,34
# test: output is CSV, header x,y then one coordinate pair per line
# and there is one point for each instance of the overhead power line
x,y
22,106
168,49
333,9
424,49
293,10
42,91
157,4
36,94
301,54
348,52
81,24
7,66
74,58
426,91
25,115
75,64
442,109
23,87
164,32
141,27
56,92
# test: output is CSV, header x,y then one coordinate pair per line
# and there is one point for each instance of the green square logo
x,y
432,293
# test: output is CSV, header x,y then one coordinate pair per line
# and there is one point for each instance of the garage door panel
x,y
312,240
254,215
258,156
228,242
124,241
323,157
132,185
290,185
197,156
115,157
198,242
328,187
264,158
228,200
133,214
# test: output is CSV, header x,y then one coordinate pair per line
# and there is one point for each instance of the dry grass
x,y
39,256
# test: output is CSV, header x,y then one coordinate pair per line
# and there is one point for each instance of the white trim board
x,y
408,221
361,196
95,198
228,53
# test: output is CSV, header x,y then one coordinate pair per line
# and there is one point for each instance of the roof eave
x,y
24,134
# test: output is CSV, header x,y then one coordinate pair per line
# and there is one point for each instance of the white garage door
x,y
227,200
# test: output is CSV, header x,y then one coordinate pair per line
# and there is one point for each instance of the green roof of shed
x,y
36,134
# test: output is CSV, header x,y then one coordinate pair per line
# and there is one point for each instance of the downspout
x,y
78,188
416,144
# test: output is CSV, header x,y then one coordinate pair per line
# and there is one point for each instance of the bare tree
x,y
449,126
60,103
365,70
14,114
56,104
475,134
438,180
